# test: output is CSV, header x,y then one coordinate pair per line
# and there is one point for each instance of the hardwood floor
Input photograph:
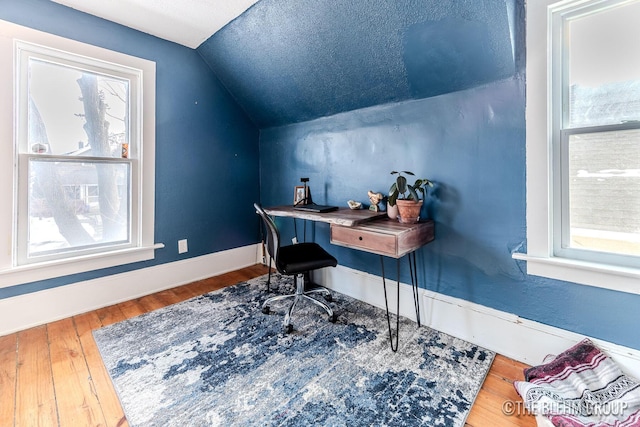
x,y
53,374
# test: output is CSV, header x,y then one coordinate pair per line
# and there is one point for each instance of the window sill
x,y
622,279
48,270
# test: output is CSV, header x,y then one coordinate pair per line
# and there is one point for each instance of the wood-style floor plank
x,y
150,302
131,308
185,292
168,297
35,396
77,403
109,315
500,386
8,366
509,368
111,409
488,407
65,353
493,406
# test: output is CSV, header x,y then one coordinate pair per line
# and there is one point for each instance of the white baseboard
x,y
29,310
504,333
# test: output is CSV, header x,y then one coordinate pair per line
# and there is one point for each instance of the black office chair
x,y
296,260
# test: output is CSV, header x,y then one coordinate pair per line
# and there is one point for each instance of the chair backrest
x,y
273,235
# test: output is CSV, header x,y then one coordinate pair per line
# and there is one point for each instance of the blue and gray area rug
x,y
217,360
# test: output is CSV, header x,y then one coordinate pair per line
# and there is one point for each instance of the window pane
x,y
604,67
77,205
604,191
75,112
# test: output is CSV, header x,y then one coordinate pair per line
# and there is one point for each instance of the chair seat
x,y
295,260
304,257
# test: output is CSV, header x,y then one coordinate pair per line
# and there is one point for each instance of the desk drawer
x,y
355,237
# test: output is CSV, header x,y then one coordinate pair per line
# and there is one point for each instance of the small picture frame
x,y
298,195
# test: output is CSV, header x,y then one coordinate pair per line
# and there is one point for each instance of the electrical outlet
x,y
182,246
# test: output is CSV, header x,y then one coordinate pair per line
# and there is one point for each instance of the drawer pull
x,y
360,238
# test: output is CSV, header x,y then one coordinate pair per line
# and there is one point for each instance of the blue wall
x,y
472,143
206,146
284,65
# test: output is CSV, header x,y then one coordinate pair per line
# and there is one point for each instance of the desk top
x,y
343,216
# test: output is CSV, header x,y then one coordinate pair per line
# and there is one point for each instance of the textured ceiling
x,y
288,61
187,22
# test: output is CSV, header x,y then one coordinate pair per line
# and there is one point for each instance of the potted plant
x,y
407,196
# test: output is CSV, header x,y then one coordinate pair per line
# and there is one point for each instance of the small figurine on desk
x,y
375,199
353,205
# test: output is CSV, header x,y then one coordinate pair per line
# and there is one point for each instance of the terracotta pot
x,y
409,211
392,211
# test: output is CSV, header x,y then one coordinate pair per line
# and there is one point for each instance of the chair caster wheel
x,y
265,310
333,318
288,328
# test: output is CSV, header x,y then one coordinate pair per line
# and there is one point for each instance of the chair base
x,y
300,294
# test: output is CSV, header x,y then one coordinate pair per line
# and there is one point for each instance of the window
x,y
583,142
597,134
82,155
73,124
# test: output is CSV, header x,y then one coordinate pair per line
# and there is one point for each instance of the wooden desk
x,y
374,232
343,216
384,237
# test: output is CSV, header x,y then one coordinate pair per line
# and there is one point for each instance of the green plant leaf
x,y
392,198
401,183
412,193
400,187
393,194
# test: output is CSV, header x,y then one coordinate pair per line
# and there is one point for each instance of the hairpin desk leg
x,y
416,300
386,303
414,284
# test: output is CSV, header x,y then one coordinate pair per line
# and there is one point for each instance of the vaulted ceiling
x,y
288,61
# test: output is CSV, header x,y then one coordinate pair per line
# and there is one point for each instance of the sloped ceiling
x,y
289,61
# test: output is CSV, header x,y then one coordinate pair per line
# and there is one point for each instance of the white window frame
x,y
542,47
12,38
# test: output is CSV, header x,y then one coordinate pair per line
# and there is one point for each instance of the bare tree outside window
x,y
78,194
